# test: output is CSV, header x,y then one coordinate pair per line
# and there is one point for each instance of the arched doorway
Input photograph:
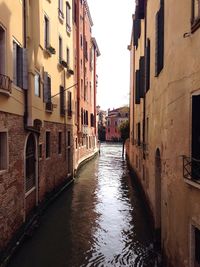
x,y
31,163
158,189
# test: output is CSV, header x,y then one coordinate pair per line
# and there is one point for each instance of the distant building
x,y
101,120
114,119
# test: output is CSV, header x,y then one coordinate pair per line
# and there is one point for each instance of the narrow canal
x,y
99,221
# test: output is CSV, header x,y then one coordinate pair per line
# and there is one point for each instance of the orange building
x,y
114,119
86,52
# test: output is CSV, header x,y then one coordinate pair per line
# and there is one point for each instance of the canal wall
x,y
33,221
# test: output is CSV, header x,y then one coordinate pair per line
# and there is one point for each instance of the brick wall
x,y
12,180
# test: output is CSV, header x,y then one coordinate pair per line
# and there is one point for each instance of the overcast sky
x,y
112,30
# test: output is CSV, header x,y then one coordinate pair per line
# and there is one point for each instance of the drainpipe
x,y
25,45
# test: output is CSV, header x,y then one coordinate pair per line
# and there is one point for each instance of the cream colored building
x,y
164,110
38,85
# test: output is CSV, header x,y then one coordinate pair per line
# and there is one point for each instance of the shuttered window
x,y
60,49
62,101
142,77
46,32
137,31
147,65
47,88
140,9
2,50
20,66
159,39
68,24
137,87
69,109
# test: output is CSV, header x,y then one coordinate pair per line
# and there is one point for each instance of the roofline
x,y
88,12
96,46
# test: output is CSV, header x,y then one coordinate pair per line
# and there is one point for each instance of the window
x,y
48,144
62,101
195,137
37,84
68,57
60,49
147,65
20,66
68,139
17,64
40,151
47,88
3,151
137,87
46,32
115,123
109,130
92,120
2,50
197,247
60,9
68,24
75,12
138,134
69,110
195,14
81,40
59,142
159,48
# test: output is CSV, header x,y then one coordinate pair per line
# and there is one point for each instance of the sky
x,y
112,29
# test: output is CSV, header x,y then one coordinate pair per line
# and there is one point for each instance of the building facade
x,y
164,127
114,118
86,53
38,105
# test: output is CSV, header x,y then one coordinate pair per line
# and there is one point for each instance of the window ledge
x,y
196,183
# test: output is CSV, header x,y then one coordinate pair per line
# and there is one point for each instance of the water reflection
x,y
100,221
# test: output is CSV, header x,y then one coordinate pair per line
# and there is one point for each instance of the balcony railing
x,y
191,168
5,84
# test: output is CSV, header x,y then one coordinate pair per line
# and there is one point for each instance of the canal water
x,y
98,221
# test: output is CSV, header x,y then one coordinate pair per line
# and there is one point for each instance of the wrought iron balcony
x,y
191,169
5,84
